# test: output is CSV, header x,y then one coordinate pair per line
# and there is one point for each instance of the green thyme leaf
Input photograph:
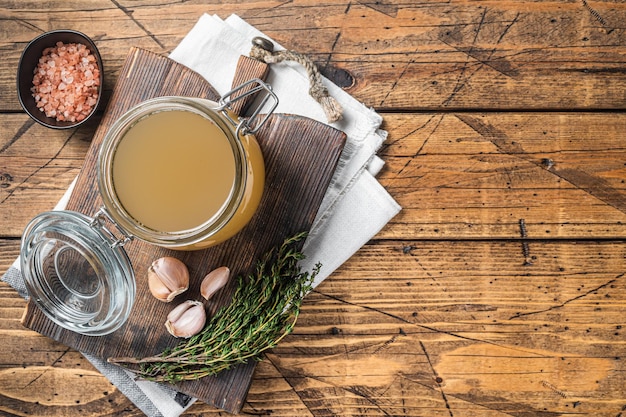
x,y
264,310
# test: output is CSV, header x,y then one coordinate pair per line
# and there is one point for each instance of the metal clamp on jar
x,y
178,172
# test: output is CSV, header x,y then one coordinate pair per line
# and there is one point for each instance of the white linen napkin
x,y
353,210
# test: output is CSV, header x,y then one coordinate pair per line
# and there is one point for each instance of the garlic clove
x,y
167,277
186,320
157,288
214,281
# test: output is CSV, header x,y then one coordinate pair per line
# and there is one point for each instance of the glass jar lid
x,y
77,273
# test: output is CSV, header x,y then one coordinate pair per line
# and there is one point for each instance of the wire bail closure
x,y
99,223
250,124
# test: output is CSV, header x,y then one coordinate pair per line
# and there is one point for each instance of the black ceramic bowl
x,y
28,63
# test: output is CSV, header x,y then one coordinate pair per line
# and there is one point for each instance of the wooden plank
x,y
483,330
410,328
9,251
456,175
36,167
416,55
475,175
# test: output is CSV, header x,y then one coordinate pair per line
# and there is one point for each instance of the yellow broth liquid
x,y
173,170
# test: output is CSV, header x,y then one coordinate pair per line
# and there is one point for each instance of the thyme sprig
x,y
264,310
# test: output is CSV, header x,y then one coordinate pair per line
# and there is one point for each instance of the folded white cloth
x,y
354,208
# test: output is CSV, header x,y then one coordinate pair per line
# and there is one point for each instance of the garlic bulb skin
x,y
214,281
167,277
186,320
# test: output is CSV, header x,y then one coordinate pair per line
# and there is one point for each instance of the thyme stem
x,y
264,309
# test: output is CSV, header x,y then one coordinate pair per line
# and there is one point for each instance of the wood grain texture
x,y
413,327
247,69
400,55
497,111
475,175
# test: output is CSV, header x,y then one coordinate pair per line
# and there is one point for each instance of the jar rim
x,y
182,238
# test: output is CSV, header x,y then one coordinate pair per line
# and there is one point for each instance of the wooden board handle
x,y
247,69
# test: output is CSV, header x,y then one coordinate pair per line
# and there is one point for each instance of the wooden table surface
x,y
500,288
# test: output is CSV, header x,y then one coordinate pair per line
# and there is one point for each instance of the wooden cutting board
x,y
300,156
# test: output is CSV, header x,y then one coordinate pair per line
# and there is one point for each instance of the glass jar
x,y
178,172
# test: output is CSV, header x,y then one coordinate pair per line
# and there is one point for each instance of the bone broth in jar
x,y
182,173
173,170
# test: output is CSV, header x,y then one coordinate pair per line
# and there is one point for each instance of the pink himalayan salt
x,y
66,81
